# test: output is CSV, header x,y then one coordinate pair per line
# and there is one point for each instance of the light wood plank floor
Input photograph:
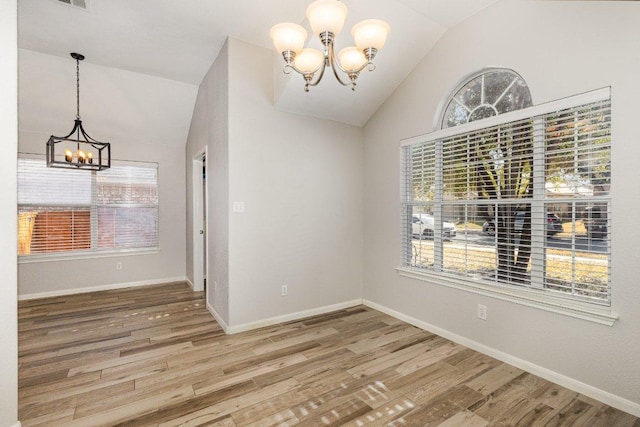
x,y
155,357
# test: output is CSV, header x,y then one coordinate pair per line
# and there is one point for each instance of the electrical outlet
x,y
118,266
285,291
215,286
482,312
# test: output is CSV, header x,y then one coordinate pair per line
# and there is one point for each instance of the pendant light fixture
x,y
78,150
326,18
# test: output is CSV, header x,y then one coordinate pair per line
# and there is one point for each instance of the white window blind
x,y
127,207
68,211
521,199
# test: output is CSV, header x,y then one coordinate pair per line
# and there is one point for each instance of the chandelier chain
x,y
77,88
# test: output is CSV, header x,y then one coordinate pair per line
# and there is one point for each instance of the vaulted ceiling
x,y
178,40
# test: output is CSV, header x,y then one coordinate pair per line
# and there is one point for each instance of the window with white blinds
x,y
517,200
63,211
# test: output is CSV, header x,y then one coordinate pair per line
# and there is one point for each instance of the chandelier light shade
x,y
326,18
309,61
351,59
288,37
77,150
371,33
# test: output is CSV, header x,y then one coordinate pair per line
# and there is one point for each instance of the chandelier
x,y
78,150
326,18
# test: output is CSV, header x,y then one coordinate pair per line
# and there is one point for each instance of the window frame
x,y
94,251
528,296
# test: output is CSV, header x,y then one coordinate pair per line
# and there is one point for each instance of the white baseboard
x,y
218,318
18,424
186,279
113,286
570,383
288,317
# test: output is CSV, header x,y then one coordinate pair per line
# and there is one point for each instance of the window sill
x,y
526,297
28,259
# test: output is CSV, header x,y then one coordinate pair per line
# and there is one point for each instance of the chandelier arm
x,y
369,64
75,128
319,76
86,135
334,63
297,70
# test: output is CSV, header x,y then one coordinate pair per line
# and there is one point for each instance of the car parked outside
x,y
422,227
554,224
595,221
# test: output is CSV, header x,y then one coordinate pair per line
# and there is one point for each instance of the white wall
x,y
561,49
8,216
301,181
152,101
209,129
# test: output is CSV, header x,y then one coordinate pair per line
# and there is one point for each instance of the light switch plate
x,y
238,207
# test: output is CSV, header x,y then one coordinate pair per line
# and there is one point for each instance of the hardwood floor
x,y
155,357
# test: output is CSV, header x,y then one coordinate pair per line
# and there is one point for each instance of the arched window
x,y
487,94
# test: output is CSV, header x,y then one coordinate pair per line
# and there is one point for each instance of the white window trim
x,y
530,297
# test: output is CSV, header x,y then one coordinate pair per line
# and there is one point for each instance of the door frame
x,y
200,204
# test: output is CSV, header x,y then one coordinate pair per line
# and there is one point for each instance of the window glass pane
x,y
495,83
471,94
127,227
577,260
470,251
422,177
455,115
420,232
127,185
45,230
578,152
516,98
482,112
494,163
127,207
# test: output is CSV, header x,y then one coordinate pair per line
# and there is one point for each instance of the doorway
x,y
200,221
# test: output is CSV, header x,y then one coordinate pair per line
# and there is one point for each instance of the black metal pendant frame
x,y
56,155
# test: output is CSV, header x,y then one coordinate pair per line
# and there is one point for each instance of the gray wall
x,y
8,216
561,49
208,129
301,181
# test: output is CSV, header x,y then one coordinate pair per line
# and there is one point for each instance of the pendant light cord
x,y
77,88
